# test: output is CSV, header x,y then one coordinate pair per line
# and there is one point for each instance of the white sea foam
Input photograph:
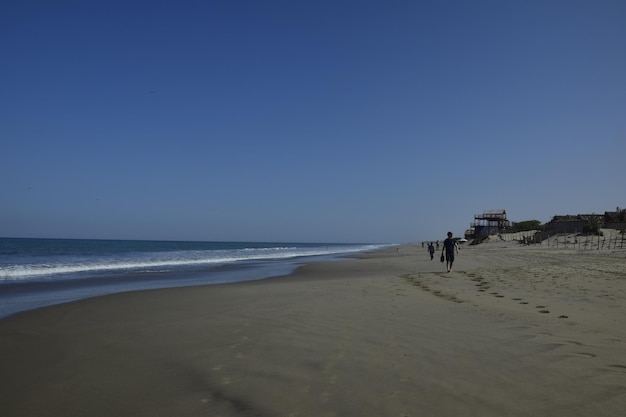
x,y
88,268
162,261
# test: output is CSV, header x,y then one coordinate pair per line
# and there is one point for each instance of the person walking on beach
x,y
431,250
449,247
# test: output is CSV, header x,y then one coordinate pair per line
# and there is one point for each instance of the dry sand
x,y
511,331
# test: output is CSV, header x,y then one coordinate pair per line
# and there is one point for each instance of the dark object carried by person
x,y
442,258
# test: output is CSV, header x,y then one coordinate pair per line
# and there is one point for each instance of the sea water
x,y
40,272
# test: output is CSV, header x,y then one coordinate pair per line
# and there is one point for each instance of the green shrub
x,y
527,225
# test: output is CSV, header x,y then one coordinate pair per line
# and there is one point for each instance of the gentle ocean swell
x,y
159,261
40,272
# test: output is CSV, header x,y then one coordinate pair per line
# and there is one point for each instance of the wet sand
x,y
511,331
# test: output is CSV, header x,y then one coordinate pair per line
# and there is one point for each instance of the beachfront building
x,y
587,223
615,219
578,223
490,222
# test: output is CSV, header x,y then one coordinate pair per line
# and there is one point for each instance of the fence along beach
x,y
514,330
608,239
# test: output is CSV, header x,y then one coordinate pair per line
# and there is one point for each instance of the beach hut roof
x,y
494,212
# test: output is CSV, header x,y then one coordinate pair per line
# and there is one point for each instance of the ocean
x,y
40,272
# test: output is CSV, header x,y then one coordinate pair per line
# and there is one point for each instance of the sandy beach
x,y
511,331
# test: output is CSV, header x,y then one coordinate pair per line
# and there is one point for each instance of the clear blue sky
x,y
334,121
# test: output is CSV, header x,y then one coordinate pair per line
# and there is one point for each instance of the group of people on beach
x,y
450,247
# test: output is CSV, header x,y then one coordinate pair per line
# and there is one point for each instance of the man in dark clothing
x,y
431,250
449,247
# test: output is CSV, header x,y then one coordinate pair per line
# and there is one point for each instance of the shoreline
x,y
389,333
17,296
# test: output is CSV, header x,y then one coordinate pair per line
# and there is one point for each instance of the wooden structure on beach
x,y
615,219
571,223
490,222
581,223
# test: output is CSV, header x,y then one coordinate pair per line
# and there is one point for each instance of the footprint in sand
x,y
544,311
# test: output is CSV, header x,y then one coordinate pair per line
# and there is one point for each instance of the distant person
x,y
449,247
437,244
431,250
